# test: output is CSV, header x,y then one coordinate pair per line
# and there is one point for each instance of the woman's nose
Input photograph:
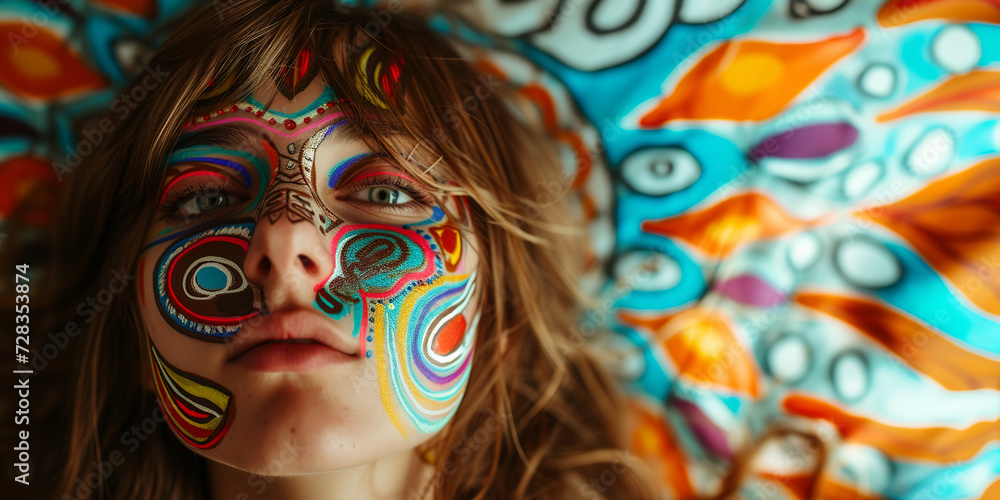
x,y
287,259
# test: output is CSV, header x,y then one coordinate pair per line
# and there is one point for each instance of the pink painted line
x,y
394,174
297,131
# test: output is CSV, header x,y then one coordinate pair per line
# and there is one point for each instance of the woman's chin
x,y
294,439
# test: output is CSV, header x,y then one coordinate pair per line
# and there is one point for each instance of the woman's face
x,y
306,300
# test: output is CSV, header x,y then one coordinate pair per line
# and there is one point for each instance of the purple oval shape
x,y
811,141
751,290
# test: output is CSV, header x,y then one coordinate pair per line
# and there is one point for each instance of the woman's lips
x,y
291,356
292,341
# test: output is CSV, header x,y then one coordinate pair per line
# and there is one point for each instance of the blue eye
x,y
204,202
386,195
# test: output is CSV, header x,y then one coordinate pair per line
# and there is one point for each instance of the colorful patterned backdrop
x,y
795,207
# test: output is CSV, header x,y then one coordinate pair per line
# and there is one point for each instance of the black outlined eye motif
x,y
598,34
658,171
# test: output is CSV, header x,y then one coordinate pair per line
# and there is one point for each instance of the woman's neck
x,y
396,477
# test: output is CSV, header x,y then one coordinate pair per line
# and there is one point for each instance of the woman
x,y
342,281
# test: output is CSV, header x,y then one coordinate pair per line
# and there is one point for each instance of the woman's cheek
x,y
411,308
196,288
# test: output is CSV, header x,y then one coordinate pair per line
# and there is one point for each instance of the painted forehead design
x,y
374,81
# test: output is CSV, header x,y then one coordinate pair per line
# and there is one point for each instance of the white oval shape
x,y
850,375
956,48
931,153
803,251
788,358
867,263
860,179
878,80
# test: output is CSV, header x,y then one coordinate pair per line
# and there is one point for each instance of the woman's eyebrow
x,y
236,136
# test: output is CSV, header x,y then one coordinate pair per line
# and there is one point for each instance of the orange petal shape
x,y
145,8
653,442
974,91
935,444
42,66
954,223
830,489
721,228
900,12
749,80
704,350
992,492
913,342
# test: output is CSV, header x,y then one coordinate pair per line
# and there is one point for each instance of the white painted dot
x,y
788,358
956,48
860,178
932,153
877,80
867,263
803,251
850,376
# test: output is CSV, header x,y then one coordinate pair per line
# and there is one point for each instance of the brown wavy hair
x,y
538,419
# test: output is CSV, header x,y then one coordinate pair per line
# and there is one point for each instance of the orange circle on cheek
x,y
450,336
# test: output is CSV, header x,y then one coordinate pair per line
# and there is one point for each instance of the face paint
x,y
200,285
400,285
288,195
202,154
373,262
449,239
338,170
293,79
292,192
198,410
311,112
425,351
392,280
